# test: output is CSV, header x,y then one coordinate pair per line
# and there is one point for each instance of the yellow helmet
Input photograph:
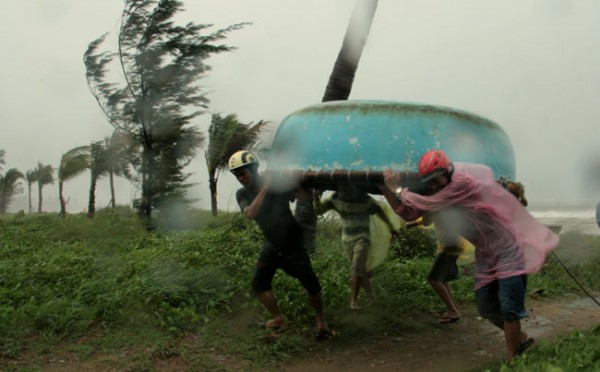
x,y
241,159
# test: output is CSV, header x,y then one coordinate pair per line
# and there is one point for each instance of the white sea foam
x,y
564,213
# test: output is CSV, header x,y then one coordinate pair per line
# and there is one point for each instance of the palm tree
x,y
44,176
99,166
72,163
226,136
2,161
101,158
338,88
30,177
341,78
9,187
119,146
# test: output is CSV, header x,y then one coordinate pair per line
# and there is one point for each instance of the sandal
x,y
448,319
525,345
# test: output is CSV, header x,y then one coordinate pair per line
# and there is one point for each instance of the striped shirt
x,y
355,214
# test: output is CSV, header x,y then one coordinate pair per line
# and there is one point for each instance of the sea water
x,y
577,216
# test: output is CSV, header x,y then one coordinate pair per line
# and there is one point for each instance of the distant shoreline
x,y
568,224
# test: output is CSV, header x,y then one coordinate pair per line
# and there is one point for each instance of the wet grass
x,y
106,290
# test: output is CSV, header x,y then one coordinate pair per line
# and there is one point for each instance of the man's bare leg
x,y
315,301
355,285
445,294
514,337
366,284
268,300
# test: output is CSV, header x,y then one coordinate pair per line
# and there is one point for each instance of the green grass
x,y
97,287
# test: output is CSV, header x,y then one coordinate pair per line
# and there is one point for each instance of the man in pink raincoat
x,y
509,242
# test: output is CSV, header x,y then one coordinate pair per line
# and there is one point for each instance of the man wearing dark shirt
x,y
283,246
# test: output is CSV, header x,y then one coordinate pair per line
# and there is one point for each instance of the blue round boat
x,y
377,135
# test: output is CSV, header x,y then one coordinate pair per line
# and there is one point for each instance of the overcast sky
x,y
529,65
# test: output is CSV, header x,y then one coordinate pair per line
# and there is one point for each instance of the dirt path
x,y
470,343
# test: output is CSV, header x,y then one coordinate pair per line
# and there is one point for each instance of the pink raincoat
x,y
508,240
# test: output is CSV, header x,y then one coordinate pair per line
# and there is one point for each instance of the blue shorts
x,y
503,298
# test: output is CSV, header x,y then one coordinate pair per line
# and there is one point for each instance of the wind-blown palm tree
x,y
72,163
119,146
9,187
30,177
44,176
226,136
100,164
107,157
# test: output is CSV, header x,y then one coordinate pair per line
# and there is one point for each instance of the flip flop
x,y
446,320
525,345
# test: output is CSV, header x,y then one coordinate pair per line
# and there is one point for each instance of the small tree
x,y
44,174
161,64
227,135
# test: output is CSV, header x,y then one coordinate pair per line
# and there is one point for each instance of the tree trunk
x,y
344,69
29,196
111,178
145,211
63,206
92,200
212,184
40,186
338,89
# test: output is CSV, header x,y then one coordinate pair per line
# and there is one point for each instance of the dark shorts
x,y
444,268
295,263
503,298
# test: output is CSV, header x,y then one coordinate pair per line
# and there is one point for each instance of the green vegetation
x,y
81,288
579,351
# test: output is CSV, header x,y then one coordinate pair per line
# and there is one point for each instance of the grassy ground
x,y
104,290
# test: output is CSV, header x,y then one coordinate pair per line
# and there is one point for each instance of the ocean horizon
x,y
574,216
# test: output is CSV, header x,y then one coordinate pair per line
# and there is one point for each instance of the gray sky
x,y
529,65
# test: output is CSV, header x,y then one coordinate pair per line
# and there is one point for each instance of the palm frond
x,y
228,135
74,162
45,174
10,178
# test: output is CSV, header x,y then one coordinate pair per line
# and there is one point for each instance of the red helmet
x,y
432,163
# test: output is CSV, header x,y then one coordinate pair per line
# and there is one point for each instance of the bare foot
x,y
354,305
448,315
274,324
322,325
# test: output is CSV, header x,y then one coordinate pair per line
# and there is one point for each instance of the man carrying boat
x,y
283,241
509,242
